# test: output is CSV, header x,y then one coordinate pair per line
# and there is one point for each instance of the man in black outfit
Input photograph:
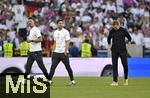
x,y
118,49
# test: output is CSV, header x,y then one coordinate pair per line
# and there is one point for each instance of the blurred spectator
x,y
77,40
48,41
56,4
120,8
76,30
24,48
146,41
88,35
85,3
16,42
73,50
110,6
130,21
123,21
86,49
1,44
103,42
100,15
89,19
96,3
8,48
22,27
10,34
44,9
129,3
130,31
18,9
10,22
3,25
64,8
119,2
95,24
138,38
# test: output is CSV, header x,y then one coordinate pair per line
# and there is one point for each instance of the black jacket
x,y
118,39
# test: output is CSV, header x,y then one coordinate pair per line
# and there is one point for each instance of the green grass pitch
x,y
94,87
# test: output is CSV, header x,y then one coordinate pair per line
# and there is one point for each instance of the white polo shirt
x,y
34,34
60,38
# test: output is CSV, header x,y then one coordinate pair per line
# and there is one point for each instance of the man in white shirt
x,y
62,40
35,49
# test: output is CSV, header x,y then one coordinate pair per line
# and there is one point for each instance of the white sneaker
x,y
114,84
72,83
50,82
29,76
126,82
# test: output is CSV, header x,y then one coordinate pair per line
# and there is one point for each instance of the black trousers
x,y
123,56
56,58
35,56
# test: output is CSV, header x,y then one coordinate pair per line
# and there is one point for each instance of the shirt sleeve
x,y
127,35
38,33
109,37
54,35
67,35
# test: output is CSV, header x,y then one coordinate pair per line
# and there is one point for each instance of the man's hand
x,y
66,47
129,44
109,47
65,52
53,47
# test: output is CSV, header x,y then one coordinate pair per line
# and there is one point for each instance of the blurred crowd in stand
x,y
88,21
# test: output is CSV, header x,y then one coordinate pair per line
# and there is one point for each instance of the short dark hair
x,y
33,18
86,40
71,43
30,17
59,20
